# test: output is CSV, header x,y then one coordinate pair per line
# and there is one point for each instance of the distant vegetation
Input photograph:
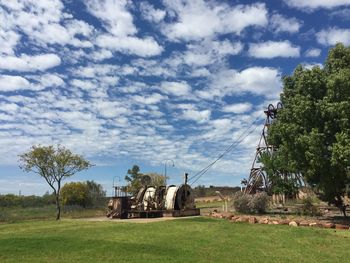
x,y
203,191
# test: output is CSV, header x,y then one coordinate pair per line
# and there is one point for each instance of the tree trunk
x,y
343,209
58,204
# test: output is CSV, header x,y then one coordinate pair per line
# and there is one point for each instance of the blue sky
x,y
141,82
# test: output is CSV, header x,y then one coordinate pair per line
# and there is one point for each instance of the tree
x,y
53,164
75,193
312,131
85,194
133,178
136,179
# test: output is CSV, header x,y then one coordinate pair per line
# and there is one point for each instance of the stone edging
x,y
274,221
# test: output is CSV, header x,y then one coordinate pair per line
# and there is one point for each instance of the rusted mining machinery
x,y
258,179
152,201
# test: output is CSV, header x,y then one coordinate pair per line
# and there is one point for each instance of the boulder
x,y
293,223
328,225
275,222
252,220
340,226
284,222
304,223
263,221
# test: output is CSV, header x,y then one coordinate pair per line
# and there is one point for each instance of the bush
x,y
257,203
308,208
241,202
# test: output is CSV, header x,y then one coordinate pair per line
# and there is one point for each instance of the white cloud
x,y
152,14
261,81
13,83
149,99
313,52
30,63
117,19
332,36
176,88
199,116
280,23
314,4
312,65
343,13
45,22
119,23
238,108
9,40
271,49
208,51
198,19
143,47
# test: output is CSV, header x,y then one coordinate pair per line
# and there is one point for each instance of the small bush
x,y
259,202
308,208
241,202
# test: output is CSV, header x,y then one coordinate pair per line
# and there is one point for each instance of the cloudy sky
x,y
141,82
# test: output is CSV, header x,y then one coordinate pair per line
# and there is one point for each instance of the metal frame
x,y
258,179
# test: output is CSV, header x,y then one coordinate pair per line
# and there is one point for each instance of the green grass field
x,y
183,240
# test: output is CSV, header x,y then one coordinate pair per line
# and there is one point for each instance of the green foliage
x,y
75,193
11,200
257,203
85,194
312,132
53,164
274,168
136,179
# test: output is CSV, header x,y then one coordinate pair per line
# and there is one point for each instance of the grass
x,y
184,240
14,214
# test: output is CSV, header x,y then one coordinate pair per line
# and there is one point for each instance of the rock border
x,y
274,221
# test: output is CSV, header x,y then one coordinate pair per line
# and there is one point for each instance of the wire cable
x,y
228,149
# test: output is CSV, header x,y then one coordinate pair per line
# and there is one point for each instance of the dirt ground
x,y
133,220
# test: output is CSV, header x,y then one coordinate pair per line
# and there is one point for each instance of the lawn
x,y
183,240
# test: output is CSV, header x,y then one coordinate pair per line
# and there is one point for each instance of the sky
x,y
151,83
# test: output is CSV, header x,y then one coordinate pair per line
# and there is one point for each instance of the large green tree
x,y
53,164
312,132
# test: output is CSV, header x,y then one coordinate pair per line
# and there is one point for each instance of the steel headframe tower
x,y
258,179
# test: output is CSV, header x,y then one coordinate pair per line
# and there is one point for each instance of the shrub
x,y
259,202
241,202
308,208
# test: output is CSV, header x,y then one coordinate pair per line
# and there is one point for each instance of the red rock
x,y
284,222
252,220
328,225
263,221
340,226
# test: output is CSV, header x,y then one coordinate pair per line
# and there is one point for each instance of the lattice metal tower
x,y
258,179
